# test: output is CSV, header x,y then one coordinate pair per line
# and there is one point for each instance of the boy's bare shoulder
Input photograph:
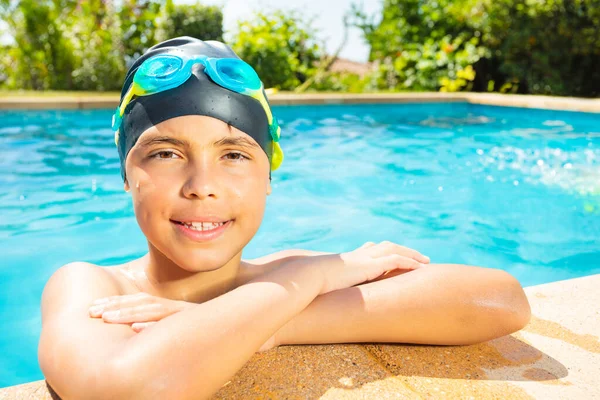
x,y
80,281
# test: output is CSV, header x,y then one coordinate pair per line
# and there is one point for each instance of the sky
x,y
327,15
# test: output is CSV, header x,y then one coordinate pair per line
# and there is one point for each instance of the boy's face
x,y
192,168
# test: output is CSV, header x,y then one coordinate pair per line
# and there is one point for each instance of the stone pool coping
x,y
556,356
497,99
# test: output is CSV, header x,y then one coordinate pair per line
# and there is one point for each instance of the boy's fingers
x,y
140,326
365,245
395,261
143,313
387,247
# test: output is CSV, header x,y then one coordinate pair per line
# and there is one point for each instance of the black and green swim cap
x,y
199,95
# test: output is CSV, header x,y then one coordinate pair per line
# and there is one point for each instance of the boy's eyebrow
x,y
236,141
226,141
162,139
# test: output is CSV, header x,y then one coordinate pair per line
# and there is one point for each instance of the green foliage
x,y
544,47
87,45
138,26
424,45
41,50
281,47
525,46
344,82
518,46
96,40
195,20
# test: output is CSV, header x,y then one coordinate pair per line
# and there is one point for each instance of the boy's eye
x,y
164,155
235,156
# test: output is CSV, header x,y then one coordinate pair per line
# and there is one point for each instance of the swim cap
x,y
199,95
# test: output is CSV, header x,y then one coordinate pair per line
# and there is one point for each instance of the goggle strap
x,y
135,89
260,96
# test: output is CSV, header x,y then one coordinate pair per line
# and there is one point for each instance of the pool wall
x,y
525,101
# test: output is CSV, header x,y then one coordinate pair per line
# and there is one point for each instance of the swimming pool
x,y
507,188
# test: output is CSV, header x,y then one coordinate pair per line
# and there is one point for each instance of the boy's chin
x,y
201,261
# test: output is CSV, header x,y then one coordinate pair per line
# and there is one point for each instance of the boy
x,y
197,142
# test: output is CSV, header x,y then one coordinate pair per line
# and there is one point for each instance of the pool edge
x,y
496,99
555,356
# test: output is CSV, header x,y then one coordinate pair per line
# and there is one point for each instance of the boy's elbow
x,y
500,307
514,312
518,305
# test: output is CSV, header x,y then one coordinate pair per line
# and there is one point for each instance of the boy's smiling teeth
x,y
203,226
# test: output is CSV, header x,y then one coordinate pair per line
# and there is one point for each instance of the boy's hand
x,y
142,310
369,262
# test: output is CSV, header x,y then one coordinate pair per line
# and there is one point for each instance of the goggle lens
x,y
162,67
238,74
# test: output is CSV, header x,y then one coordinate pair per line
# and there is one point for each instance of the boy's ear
x,y
269,189
126,185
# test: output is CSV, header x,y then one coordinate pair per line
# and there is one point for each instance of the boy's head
x,y
196,154
244,107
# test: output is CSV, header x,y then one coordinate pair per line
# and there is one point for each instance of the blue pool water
x,y
498,187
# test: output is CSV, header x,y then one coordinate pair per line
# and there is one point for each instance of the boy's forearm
x,y
191,354
437,304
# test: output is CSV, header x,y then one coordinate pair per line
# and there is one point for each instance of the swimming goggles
x,y
167,71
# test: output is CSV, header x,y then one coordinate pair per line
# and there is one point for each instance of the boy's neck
x,y
159,276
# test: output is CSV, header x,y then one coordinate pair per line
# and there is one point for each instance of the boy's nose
x,y
201,182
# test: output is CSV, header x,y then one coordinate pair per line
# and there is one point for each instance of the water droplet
x,y
440,188
516,183
479,151
21,197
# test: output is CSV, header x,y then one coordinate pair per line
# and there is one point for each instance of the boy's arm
x,y
438,304
261,265
190,354
203,346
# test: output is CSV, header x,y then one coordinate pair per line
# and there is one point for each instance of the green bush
x,y
343,82
41,55
543,47
281,47
138,21
87,45
97,44
424,45
523,46
195,20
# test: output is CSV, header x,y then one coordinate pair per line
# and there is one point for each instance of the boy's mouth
x,y
201,225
